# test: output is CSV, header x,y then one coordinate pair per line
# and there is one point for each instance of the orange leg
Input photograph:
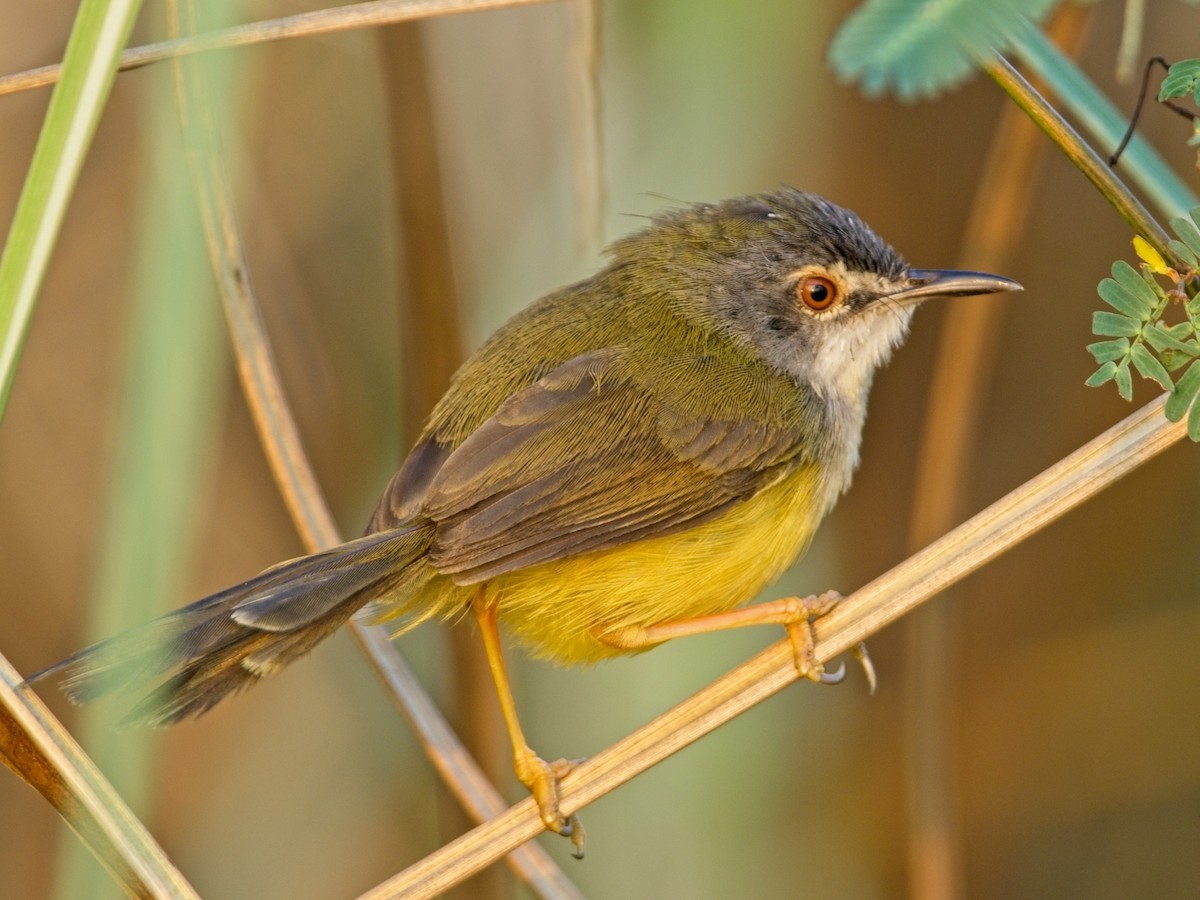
x,y
539,776
793,613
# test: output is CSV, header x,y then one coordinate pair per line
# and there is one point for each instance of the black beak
x,y
924,283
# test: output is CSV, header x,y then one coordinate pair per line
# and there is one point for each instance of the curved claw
x,y
864,659
831,677
576,835
542,779
804,644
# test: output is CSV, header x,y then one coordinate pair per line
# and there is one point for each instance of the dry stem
x,y
322,21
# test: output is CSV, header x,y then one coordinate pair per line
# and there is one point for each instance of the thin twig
x,y
587,135
1137,108
302,495
1118,451
1132,29
1081,154
1079,97
321,21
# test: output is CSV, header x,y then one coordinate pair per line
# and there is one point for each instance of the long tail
x,y
194,657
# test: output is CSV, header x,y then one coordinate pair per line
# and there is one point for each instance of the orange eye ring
x,y
817,292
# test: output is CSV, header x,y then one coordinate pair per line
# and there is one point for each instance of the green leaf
x,y
1107,351
1187,231
1108,324
1184,252
1173,359
1181,331
1184,393
1194,423
1116,296
1160,340
1183,80
917,48
1102,375
1131,279
1145,362
1124,380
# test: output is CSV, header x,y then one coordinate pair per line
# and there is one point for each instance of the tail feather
x,y
198,686
300,591
204,681
194,657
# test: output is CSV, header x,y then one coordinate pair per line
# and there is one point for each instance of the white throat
x,y
841,369
845,357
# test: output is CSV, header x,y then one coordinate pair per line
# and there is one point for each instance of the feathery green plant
x,y
1183,81
918,49
1139,336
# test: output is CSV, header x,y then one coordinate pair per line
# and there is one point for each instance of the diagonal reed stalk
x,y
39,750
1081,155
1077,95
1037,503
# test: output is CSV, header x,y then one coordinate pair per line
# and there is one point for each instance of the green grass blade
x,y
97,38
175,366
174,369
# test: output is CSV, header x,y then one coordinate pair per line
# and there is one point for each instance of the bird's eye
x,y
817,292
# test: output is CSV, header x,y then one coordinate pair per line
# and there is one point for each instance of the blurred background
x,y
1071,735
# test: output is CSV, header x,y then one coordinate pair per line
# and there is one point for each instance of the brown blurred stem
x,y
431,349
297,482
963,367
322,21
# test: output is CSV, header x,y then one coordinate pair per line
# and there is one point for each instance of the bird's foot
x,y
800,632
542,780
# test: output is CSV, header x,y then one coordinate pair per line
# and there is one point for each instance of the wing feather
x,y
533,484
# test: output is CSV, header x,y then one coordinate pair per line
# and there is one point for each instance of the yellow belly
x,y
557,608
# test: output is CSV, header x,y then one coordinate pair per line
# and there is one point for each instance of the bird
x,y
630,459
